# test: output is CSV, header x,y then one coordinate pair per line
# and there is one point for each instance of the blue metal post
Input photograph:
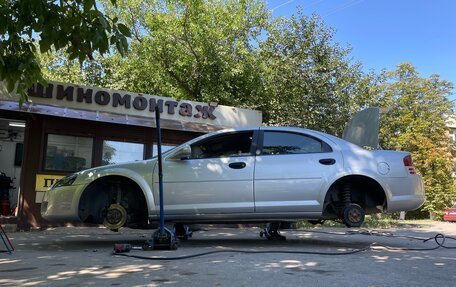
x,y
160,169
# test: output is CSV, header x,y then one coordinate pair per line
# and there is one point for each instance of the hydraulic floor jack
x,y
163,238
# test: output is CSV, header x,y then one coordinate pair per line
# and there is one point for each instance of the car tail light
x,y
408,160
408,163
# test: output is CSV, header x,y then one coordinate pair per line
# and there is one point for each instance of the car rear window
x,y
275,143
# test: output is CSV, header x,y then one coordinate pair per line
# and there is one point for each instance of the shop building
x,y
66,128
451,130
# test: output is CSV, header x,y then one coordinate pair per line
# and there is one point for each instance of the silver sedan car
x,y
262,174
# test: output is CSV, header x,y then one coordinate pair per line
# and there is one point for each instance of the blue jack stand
x,y
163,238
182,231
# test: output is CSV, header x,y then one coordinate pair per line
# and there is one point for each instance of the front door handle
x,y
327,161
237,165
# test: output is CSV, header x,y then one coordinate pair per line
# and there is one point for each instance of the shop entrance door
x,y
11,151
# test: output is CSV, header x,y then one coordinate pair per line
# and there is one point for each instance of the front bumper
x,y
62,203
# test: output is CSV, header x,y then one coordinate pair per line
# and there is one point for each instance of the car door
x,y
290,172
217,178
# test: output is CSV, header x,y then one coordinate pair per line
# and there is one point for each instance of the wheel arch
x,y
136,178
126,177
367,191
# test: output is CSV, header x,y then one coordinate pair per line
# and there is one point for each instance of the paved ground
x,y
82,257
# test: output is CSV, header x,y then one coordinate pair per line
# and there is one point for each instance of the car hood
x,y
363,128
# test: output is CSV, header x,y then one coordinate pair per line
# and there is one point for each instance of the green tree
x,y
77,26
415,122
310,80
199,50
56,66
233,53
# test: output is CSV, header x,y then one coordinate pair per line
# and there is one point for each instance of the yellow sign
x,y
45,181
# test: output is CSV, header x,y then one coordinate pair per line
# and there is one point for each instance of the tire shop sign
x,y
92,103
117,100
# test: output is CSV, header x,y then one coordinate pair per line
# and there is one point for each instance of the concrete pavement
x,y
75,256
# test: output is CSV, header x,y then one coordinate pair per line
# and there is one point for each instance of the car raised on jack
x,y
261,174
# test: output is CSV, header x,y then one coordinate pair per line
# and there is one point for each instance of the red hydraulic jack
x,y
163,238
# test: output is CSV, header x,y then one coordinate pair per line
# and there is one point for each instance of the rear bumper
x,y
405,193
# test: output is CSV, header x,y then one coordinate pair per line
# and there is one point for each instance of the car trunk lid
x,y
363,128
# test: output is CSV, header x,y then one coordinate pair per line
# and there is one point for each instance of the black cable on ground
x,y
244,252
389,234
438,238
367,232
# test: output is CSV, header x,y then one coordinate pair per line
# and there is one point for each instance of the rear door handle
x,y
327,161
237,165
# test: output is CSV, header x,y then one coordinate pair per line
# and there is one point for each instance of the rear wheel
x,y
353,215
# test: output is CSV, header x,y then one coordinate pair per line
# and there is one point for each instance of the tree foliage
x,y
233,53
310,80
57,67
199,50
415,122
77,26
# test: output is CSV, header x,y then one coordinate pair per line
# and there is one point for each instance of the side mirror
x,y
184,153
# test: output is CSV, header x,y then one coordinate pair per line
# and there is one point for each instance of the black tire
x,y
353,215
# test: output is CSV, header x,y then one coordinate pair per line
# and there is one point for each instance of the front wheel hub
x,y
116,217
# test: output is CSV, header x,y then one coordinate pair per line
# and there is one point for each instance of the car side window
x,y
275,143
227,145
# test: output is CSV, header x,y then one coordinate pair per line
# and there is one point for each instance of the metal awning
x,y
98,116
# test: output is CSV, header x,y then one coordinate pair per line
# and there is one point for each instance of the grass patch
x,y
371,221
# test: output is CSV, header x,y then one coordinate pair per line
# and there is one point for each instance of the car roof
x,y
315,133
334,141
318,134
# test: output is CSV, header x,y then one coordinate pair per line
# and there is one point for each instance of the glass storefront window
x,y
118,152
68,153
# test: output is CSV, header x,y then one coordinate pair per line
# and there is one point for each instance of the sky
x,y
384,33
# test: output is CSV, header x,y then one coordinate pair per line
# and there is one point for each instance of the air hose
x,y
439,240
